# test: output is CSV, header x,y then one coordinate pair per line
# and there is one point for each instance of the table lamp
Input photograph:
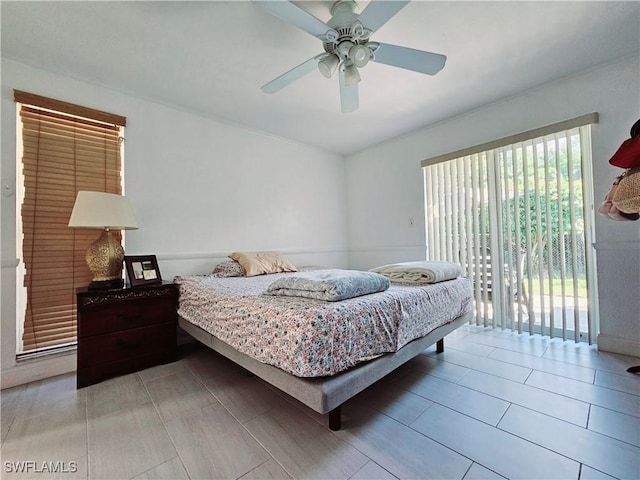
x,y
108,212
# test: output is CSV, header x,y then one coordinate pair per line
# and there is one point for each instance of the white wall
x,y
385,184
200,188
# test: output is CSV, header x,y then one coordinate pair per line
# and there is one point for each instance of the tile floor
x,y
493,405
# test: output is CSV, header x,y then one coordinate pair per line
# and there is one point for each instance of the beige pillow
x,y
262,262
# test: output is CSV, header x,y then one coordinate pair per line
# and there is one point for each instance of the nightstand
x,y
125,330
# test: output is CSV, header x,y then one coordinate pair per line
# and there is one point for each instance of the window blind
x,y
519,218
65,148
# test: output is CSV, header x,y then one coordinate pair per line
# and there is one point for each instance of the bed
x,y
322,353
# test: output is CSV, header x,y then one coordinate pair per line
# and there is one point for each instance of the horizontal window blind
x,y
61,154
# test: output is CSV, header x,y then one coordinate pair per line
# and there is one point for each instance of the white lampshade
x,y
351,74
106,211
328,65
359,55
102,210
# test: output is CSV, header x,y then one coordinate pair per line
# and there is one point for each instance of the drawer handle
x,y
127,345
129,317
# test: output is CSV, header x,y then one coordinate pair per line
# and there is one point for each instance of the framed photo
x,y
142,270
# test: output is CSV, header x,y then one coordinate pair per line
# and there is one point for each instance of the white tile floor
x,y
493,405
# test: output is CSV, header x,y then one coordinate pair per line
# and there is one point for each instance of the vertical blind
x,y
65,148
517,214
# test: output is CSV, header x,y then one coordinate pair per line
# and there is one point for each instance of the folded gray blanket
x,y
420,272
329,285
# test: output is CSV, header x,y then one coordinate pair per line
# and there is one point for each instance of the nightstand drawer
x,y
126,315
113,347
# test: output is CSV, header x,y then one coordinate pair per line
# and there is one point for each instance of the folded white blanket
x,y
330,285
419,272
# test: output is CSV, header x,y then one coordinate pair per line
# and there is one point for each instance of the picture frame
x,y
142,270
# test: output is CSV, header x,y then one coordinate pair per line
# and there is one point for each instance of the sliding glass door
x,y
519,219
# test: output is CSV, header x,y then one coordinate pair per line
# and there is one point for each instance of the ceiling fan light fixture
x,y
359,55
351,75
328,65
347,46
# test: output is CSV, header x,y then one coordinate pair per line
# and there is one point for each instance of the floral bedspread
x,y
313,338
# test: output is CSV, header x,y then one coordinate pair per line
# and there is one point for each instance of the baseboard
x,y
38,369
623,346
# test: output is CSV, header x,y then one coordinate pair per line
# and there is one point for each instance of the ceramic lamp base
x,y
104,258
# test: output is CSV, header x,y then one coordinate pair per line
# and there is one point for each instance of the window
x,y
62,148
517,214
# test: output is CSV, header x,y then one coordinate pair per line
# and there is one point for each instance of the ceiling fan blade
x,y
348,95
294,15
292,75
403,57
377,13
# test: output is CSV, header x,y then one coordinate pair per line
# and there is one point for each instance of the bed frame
x,y
327,394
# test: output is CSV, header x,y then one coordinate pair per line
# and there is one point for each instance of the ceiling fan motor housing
x,y
349,45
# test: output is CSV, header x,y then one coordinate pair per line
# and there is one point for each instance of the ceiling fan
x,y
347,46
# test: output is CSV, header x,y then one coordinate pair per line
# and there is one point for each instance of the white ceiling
x,y
212,57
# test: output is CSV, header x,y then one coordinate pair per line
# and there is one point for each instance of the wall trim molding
x,y
623,346
10,263
28,371
225,254
631,245
387,248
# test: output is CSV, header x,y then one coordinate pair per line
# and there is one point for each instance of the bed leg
x,y
335,418
440,346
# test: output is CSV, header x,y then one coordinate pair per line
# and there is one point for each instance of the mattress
x,y
315,338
